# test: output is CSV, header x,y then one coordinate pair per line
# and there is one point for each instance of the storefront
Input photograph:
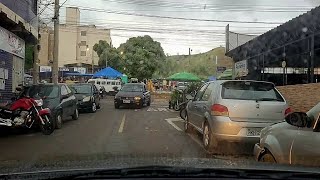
x,y
12,54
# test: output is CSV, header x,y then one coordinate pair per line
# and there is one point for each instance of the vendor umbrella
x,y
183,76
226,75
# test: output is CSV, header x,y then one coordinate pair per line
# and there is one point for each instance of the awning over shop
x,y
108,72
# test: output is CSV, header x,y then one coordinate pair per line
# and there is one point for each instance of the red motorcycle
x,y
24,112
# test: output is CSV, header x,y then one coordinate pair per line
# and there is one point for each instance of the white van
x,y
108,84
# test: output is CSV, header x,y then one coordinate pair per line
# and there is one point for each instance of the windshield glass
x,y
44,91
132,88
250,91
82,89
178,83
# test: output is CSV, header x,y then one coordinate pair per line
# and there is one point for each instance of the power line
x,y
163,24
200,4
219,7
63,3
169,17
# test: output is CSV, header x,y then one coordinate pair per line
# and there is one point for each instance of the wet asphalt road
x,y
153,132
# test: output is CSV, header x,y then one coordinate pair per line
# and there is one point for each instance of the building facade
x,y
286,55
75,43
18,27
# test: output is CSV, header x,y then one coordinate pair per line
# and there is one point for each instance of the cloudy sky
x,y
180,25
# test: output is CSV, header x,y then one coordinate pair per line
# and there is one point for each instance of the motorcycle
x,y
101,92
24,112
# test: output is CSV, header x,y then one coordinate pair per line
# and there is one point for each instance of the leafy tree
x,y
28,57
111,54
142,56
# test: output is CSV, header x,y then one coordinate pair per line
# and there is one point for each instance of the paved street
x,y
153,131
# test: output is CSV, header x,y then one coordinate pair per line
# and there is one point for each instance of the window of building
x,y
83,53
83,43
83,33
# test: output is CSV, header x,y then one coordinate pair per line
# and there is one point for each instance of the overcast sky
x,y
130,18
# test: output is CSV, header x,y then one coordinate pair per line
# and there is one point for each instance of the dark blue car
x,y
59,98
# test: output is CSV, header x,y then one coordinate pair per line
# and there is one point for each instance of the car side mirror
x,y
64,96
19,88
298,119
189,97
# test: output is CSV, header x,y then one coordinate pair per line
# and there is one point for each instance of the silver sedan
x,y
295,141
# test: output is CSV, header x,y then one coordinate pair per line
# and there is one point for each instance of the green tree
x,y
142,56
109,54
28,57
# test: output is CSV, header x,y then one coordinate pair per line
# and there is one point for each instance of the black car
x,y
132,94
87,96
59,98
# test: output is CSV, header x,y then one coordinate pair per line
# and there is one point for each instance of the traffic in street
x,y
150,131
159,89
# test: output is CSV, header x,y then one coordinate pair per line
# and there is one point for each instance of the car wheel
x,y
59,120
93,107
267,157
117,106
186,124
208,140
75,115
176,106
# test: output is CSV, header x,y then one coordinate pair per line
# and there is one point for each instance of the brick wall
x,y
301,97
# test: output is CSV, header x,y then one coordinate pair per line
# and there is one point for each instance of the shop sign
x,y
11,43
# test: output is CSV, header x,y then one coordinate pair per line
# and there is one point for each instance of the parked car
x,y
132,94
109,84
88,96
59,98
234,111
294,141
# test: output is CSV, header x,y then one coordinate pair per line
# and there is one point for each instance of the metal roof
x,y
296,29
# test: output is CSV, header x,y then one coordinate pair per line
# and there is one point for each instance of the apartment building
x,y
75,43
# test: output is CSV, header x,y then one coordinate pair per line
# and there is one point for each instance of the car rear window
x,y
246,90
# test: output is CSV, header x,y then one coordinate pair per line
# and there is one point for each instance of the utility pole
x,y
55,67
190,50
92,61
35,73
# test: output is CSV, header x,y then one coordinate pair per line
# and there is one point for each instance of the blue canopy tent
x,y
108,72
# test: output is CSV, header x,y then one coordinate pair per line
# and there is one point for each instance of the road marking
x,y
170,121
122,123
152,109
160,109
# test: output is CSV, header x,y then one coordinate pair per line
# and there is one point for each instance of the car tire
x,y
75,115
93,107
267,157
59,120
117,106
209,142
187,127
176,106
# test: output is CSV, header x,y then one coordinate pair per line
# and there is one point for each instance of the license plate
x,y
253,132
126,101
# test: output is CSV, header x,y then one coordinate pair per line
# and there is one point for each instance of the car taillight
x,y
287,111
219,110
